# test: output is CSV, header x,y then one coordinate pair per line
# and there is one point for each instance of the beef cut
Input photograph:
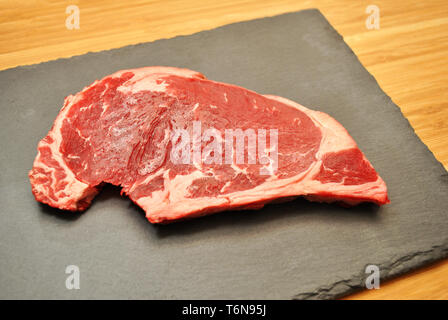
x,y
161,134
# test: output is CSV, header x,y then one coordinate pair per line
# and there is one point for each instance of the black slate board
x,y
293,250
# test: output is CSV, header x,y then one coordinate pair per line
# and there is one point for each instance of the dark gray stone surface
x,y
293,250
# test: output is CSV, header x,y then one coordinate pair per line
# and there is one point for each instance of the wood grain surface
x,y
408,55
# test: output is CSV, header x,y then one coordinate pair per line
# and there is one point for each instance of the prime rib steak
x,y
119,130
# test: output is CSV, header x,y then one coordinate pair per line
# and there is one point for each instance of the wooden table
x,y
408,56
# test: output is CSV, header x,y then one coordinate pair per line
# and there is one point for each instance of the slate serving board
x,y
293,250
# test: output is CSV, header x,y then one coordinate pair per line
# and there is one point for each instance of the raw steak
x,y
125,130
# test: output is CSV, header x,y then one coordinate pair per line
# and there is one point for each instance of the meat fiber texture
x,y
122,130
